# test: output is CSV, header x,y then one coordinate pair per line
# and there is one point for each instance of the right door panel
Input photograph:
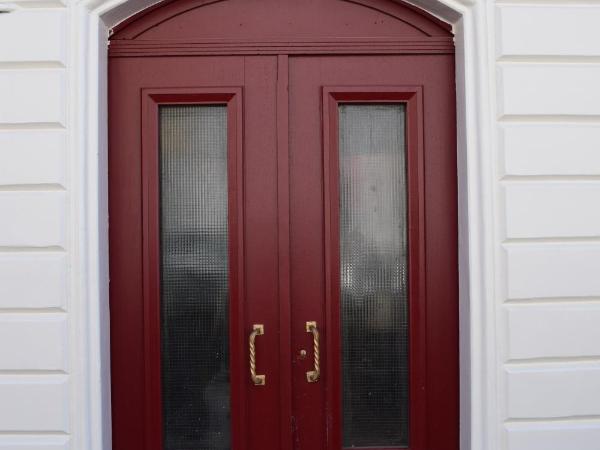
x,y
373,231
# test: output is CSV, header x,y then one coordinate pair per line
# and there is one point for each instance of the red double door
x,y
283,252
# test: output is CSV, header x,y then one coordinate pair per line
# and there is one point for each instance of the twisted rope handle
x,y
257,330
313,375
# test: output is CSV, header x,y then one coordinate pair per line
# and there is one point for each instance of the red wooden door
x,y
293,165
420,87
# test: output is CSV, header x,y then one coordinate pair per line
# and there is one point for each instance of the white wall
x,y
546,161
548,96
36,404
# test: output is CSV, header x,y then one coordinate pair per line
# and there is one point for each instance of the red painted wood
x,y
283,202
261,246
413,99
133,190
285,20
426,84
279,27
324,46
283,199
151,100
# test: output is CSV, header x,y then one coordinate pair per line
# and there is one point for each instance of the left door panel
x,y
193,252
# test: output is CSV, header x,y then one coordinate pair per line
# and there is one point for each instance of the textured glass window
x,y
194,277
373,264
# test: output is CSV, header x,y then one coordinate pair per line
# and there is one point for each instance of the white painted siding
x,y
580,435
33,157
552,270
553,390
547,89
33,342
34,403
548,99
33,96
548,30
550,149
17,442
552,209
553,330
33,219
35,356
50,33
48,269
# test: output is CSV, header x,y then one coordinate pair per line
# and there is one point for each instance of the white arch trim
x,y
90,24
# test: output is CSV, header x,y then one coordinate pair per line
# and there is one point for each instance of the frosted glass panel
x,y
373,264
194,277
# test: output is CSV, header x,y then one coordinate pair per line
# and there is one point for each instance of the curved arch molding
x,y
209,27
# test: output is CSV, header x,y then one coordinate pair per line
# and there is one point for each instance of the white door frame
x,y
90,23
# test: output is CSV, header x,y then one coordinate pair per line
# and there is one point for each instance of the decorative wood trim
x,y
152,99
132,28
412,98
129,48
407,13
283,231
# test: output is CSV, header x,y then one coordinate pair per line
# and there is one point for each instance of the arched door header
x,y
193,27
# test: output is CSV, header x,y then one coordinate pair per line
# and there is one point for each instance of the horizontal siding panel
x,y
583,435
34,403
550,270
557,149
559,30
546,331
33,342
49,270
32,96
33,157
32,218
38,3
47,44
17,442
549,89
552,209
554,391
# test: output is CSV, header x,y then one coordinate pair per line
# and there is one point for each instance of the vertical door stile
x,y
237,310
283,225
261,251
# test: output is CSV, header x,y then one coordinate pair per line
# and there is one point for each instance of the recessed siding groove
x,y
33,65
32,433
44,187
32,372
553,365
34,311
552,240
29,5
518,423
542,301
28,249
549,118
510,179
547,59
40,126
548,362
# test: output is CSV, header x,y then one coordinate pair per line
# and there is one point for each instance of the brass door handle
x,y
257,330
313,375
